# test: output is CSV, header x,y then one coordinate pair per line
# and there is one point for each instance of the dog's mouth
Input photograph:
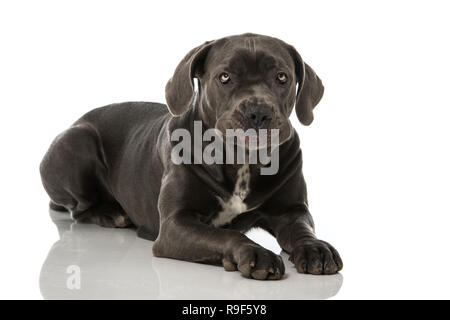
x,y
256,141
254,126
238,133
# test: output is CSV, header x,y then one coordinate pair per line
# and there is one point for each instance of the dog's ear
x,y
309,91
180,88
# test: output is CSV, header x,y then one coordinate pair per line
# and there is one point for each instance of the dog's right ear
x,y
180,88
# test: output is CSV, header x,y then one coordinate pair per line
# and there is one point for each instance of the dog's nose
x,y
258,116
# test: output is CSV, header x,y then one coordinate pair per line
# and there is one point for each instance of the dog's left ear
x,y
180,88
310,89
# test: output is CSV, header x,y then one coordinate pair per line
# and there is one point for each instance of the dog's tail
x,y
57,207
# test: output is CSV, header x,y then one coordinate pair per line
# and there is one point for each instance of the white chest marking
x,y
235,204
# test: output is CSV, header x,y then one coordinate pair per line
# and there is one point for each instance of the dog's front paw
x,y
316,257
255,262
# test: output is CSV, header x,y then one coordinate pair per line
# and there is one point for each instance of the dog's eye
x,y
282,77
224,77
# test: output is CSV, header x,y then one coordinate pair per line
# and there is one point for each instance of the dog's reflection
x,y
91,262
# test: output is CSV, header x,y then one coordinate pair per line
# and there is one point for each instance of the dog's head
x,y
246,82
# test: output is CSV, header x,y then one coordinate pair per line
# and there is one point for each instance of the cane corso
x,y
113,166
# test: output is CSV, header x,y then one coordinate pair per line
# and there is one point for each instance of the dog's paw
x,y
255,262
316,257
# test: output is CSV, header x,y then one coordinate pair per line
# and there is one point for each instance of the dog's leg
x,y
187,234
108,215
294,231
183,237
56,207
72,171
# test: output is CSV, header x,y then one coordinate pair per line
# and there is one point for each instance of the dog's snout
x,y
258,116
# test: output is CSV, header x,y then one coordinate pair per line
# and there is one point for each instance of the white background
x,y
376,158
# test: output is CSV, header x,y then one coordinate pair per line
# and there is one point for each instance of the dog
x,y
113,167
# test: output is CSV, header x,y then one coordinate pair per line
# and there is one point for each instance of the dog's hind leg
x,y
57,207
108,214
74,174
73,170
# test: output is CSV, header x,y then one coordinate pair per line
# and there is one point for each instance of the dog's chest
x,y
234,205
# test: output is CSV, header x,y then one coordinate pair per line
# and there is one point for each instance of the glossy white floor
x,y
115,264
386,256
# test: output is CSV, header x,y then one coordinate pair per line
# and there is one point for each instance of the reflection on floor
x,y
90,262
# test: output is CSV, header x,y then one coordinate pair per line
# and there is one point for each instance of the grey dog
x,y
113,166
